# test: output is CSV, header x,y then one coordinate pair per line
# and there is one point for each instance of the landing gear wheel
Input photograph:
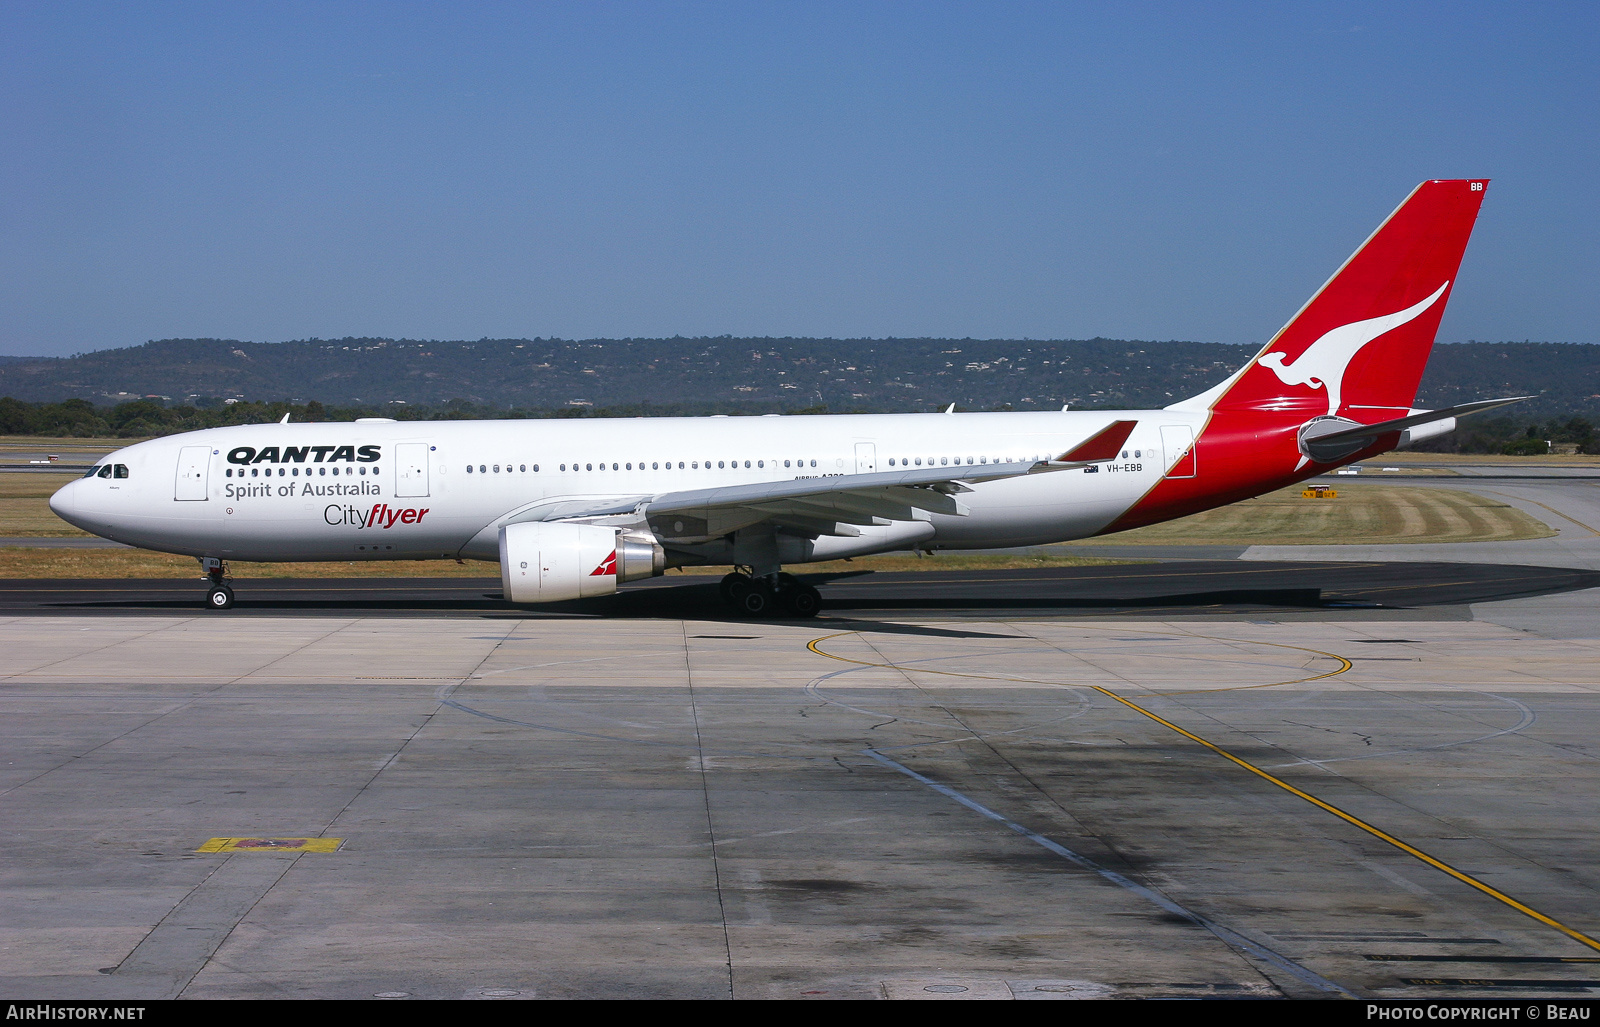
x,y
802,601
753,598
728,583
220,598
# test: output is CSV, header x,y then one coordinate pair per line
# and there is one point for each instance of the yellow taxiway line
x,y
1327,807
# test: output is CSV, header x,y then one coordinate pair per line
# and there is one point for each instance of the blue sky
x,y
457,170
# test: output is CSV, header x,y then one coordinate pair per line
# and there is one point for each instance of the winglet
x,y
1104,445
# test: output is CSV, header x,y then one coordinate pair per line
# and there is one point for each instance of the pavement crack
x,y
705,792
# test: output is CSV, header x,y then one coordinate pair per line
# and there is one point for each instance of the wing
x,y
828,504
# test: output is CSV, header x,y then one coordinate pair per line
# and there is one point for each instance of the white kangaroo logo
x,y
1323,363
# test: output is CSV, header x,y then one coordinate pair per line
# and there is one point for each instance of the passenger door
x,y
411,469
1178,441
193,464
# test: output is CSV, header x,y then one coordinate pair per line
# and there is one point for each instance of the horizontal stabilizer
x,y
1330,439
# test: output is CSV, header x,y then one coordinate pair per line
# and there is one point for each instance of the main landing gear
x,y
770,595
218,595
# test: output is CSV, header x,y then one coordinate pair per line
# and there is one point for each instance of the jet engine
x,y
545,562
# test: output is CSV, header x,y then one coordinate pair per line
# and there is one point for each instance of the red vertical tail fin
x,y
1356,351
1359,346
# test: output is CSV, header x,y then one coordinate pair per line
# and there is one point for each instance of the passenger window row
x,y
945,461
656,465
695,465
257,472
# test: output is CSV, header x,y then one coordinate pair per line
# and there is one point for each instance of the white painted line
x,y
1232,938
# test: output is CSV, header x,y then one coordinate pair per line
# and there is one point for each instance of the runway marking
x,y
1441,958
1187,575
1558,513
888,718
1344,665
1501,582
272,845
1231,938
1525,722
1349,818
1376,832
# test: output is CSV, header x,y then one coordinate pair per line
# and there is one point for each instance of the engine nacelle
x,y
544,562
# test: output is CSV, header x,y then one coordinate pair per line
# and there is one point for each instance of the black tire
x,y
754,599
729,581
802,601
219,598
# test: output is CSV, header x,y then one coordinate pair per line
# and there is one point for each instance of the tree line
x,y
1513,437
146,418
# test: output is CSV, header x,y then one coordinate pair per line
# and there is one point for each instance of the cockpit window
x,y
91,472
121,471
105,470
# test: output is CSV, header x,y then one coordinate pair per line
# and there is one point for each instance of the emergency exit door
x,y
866,457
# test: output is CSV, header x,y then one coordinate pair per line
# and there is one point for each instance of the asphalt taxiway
x,y
1338,778
1181,588
570,807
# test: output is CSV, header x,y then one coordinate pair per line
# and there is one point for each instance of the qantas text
x,y
298,454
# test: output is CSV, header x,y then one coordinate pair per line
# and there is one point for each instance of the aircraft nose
x,y
62,503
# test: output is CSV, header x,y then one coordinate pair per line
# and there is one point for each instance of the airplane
x,y
575,508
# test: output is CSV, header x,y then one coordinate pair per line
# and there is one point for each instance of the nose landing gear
x,y
770,595
218,595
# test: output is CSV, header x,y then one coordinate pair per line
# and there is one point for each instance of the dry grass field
x,y
1365,514
25,506
55,442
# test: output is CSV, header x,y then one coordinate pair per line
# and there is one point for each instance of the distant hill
x,y
755,374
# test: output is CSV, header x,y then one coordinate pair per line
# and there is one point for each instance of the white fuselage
x,y
403,490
